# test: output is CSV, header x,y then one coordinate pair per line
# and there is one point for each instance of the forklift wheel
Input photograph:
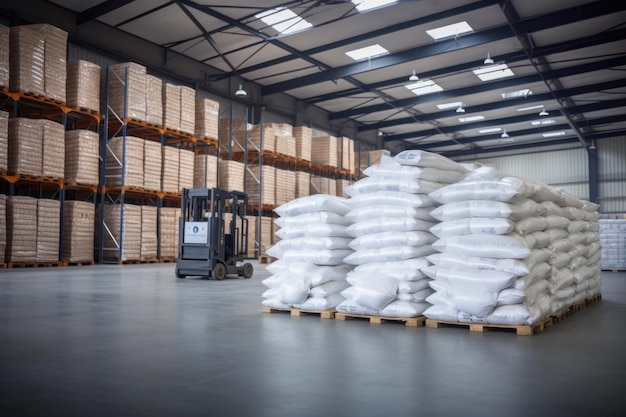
x,y
247,270
219,271
179,275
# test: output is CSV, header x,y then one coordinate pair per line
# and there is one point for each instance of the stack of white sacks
x,y
390,215
512,251
309,273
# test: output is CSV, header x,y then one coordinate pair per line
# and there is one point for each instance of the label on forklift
x,y
196,232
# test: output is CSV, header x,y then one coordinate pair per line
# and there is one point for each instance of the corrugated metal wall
x,y
612,175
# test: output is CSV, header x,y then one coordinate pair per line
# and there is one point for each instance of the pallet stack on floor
x,y
613,239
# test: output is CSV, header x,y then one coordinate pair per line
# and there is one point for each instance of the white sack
x,y
330,257
294,289
492,246
479,281
386,210
391,253
312,218
396,198
404,309
388,224
349,306
307,230
477,225
389,183
507,189
427,159
406,171
321,303
313,203
486,208
328,288
384,239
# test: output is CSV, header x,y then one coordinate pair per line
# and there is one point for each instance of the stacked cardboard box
x,y
207,119
4,141
260,184
323,185
232,135
205,171
303,136
53,149
252,236
48,230
187,110
83,85
168,239
3,226
285,186
152,165
341,186
171,106
231,175
21,237
324,151
186,168
82,157
130,237
265,240
4,56
154,100
132,166
148,232
78,231
262,138
345,153
25,147
37,62
134,91
169,176
303,184
369,158
282,129
286,145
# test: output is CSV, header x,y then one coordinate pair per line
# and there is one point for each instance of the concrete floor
x,y
132,340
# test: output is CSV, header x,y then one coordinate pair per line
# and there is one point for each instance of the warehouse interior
x,y
110,108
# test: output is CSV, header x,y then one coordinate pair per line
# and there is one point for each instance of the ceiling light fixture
x,y
488,60
414,77
460,109
543,112
504,134
240,92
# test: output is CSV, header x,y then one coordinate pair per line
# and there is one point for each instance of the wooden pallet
x,y
324,314
139,261
166,260
408,321
271,310
78,263
521,330
33,264
264,259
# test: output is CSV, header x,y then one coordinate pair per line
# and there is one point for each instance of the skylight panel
x,y
283,20
423,87
363,5
448,106
553,134
450,31
471,119
367,52
515,94
493,72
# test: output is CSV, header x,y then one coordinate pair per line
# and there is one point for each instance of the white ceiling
x,y
552,46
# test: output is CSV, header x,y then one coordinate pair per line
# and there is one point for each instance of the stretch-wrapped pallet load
x,y
128,164
205,171
4,55
169,175
260,184
21,240
324,151
82,157
186,159
286,145
509,252
323,185
48,230
231,175
303,136
3,226
149,244
613,241
154,100
171,97
130,237
391,221
262,138
83,85
369,158
78,231
310,272
4,141
303,184
168,238
53,149
25,146
187,110
207,119
152,165
285,186
232,135
128,83
37,60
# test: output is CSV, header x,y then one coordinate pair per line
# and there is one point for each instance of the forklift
x,y
208,244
